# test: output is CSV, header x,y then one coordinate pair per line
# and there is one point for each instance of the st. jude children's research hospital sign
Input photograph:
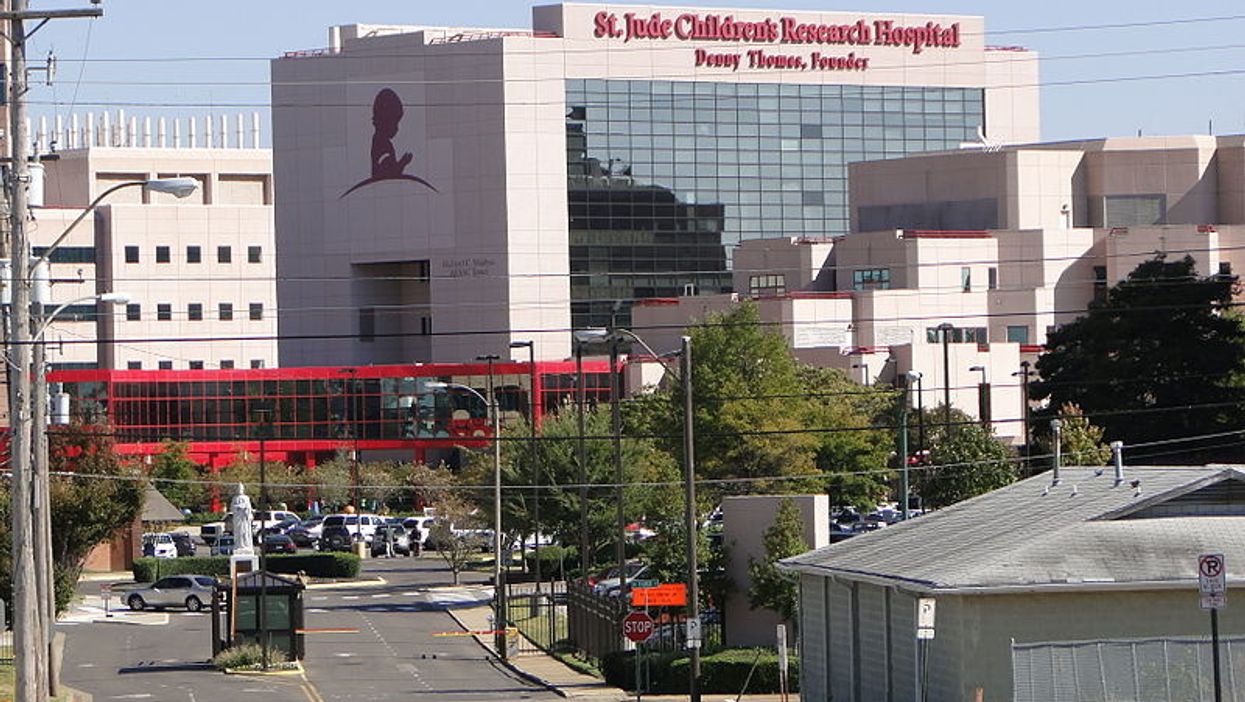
x,y
781,31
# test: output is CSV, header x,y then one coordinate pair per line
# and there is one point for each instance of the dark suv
x,y
338,537
185,545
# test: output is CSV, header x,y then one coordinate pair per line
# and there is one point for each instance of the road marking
x,y
317,611
135,696
343,654
380,597
351,597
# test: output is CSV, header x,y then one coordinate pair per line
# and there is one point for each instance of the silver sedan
x,y
189,591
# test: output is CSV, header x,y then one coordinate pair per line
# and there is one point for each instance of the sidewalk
x,y
553,674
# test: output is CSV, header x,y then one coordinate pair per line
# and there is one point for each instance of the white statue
x,y
243,540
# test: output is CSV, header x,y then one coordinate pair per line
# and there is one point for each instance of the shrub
x,y
723,672
245,656
318,565
552,560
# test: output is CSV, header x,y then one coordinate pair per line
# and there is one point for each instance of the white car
x,y
159,546
362,524
420,525
265,519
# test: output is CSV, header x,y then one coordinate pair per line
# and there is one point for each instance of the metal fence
x,y
570,617
1153,670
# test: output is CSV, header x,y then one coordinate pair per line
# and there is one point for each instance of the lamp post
x,y
499,616
920,413
905,484
944,331
1025,373
531,420
983,396
24,270
263,423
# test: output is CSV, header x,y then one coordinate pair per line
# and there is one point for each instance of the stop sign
x,y
638,626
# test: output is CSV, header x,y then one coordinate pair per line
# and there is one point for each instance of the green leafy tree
x,y
174,475
966,460
1162,356
1080,440
855,457
772,588
648,473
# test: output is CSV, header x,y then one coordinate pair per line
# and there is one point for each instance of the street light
x,y
944,330
905,485
499,623
1025,373
531,420
30,460
983,396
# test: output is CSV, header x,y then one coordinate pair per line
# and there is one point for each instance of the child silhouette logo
x,y
386,164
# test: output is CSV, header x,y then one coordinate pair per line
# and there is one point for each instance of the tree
x,y
649,474
1080,440
174,475
89,508
1161,357
855,457
772,588
966,460
453,534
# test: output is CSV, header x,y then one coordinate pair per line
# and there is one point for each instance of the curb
x,y
296,670
510,666
371,582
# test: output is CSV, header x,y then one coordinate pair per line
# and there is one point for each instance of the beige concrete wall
x,y
972,647
180,283
801,262
1012,96
1181,168
1125,249
744,521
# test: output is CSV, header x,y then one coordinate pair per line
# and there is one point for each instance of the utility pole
x,y
616,430
581,397
690,516
30,638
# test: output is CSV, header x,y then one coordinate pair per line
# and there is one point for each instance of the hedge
x,y
723,672
319,565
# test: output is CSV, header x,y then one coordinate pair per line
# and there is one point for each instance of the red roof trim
x,y
655,301
313,372
1032,348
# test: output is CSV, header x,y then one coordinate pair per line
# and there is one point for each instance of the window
x,y
958,335
164,312
162,254
226,364
67,254
367,324
1018,335
194,254
257,363
992,278
871,279
767,285
131,254
166,365
966,279
133,312
224,254
1225,268
257,311
425,326
225,311
196,365
194,312
254,254
1129,210
134,365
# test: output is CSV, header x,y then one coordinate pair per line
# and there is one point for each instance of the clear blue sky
x,y
223,44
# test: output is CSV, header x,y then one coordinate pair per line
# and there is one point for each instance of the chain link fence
x,y
1134,670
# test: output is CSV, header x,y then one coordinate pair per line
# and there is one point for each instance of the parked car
x,y
609,585
282,527
210,531
223,546
184,543
190,591
338,537
279,543
395,533
364,525
267,519
418,528
307,533
159,546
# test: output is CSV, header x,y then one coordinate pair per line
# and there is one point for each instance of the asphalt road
x,y
388,651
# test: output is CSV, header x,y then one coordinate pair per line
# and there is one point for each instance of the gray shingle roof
x,y
1031,533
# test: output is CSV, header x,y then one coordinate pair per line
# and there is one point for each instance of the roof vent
x,y
1117,457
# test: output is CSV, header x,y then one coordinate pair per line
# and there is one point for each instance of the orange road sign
x,y
668,595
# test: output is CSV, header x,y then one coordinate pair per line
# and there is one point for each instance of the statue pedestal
x,y
240,563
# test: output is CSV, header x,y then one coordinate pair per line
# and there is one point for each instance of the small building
x,y
119,553
1081,588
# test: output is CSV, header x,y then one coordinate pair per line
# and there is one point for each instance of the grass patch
x,y
579,665
7,675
